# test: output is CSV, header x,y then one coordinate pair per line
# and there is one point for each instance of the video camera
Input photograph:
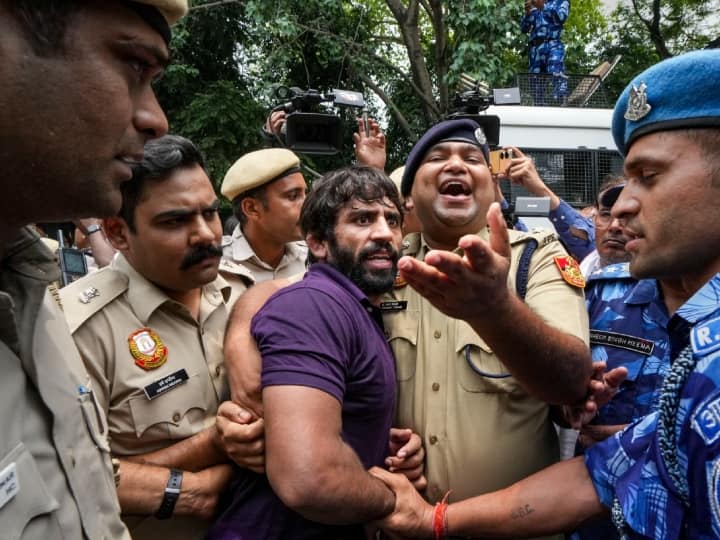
x,y
312,126
474,96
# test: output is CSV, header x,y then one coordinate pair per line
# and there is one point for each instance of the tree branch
x,y
402,121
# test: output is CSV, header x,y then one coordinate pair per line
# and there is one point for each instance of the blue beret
x,y
678,93
449,130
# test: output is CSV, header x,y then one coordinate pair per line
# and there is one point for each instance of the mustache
x,y
373,248
199,254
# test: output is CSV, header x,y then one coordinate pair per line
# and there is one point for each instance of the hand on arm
x,y
370,149
407,456
536,506
550,364
242,437
309,465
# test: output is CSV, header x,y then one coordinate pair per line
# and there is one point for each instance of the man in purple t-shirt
x,y
328,374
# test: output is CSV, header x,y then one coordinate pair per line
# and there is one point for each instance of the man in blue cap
x,y
478,394
660,477
77,106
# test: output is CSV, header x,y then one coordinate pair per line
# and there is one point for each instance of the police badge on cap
x,y
638,107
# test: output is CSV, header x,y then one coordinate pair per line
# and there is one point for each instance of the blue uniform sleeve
x,y
526,23
563,218
556,12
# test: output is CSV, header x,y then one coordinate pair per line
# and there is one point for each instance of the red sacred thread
x,y
440,522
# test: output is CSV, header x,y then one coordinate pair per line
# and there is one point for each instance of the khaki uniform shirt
x,y
242,268
481,433
150,408
55,473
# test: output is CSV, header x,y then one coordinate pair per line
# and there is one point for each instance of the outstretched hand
x,y
370,147
469,286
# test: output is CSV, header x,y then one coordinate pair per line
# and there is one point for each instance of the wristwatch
x,y
171,495
93,227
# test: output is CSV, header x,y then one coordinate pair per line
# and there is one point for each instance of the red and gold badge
x,y
570,271
147,349
399,281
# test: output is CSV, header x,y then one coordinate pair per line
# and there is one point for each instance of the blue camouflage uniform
x,y
565,218
545,49
661,475
628,327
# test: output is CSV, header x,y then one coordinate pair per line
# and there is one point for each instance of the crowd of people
x,y
371,357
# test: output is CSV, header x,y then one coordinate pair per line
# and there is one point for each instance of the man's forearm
x,y
195,453
337,490
556,499
142,488
550,364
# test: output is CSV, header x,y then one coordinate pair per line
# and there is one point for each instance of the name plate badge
x,y
393,306
9,484
165,384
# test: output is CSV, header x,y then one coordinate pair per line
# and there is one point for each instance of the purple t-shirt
x,y
321,332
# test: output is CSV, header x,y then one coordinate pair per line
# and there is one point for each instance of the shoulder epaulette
x,y
229,266
85,297
542,236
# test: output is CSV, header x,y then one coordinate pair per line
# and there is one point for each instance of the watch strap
x,y
171,495
92,228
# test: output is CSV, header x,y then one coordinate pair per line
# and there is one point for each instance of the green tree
x,y
205,94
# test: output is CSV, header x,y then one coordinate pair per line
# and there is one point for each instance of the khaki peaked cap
x,y
257,168
172,10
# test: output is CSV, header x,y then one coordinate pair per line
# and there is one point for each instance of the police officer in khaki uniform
x,y
58,58
466,391
267,190
149,328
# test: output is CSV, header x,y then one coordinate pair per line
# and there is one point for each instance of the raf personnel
x,y
149,328
267,190
659,477
477,393
77,108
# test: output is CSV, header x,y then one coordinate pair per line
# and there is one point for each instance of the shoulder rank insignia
x,y
88,294
638,107
147,349
399,281
570,271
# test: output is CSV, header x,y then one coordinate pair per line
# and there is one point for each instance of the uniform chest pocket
x,y
401,329
29,496
479,369
170,408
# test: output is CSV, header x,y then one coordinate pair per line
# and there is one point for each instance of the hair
x,y
330,193
611,180
258,193
162,157
44,22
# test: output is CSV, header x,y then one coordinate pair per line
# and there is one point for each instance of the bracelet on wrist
x,y
440,522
